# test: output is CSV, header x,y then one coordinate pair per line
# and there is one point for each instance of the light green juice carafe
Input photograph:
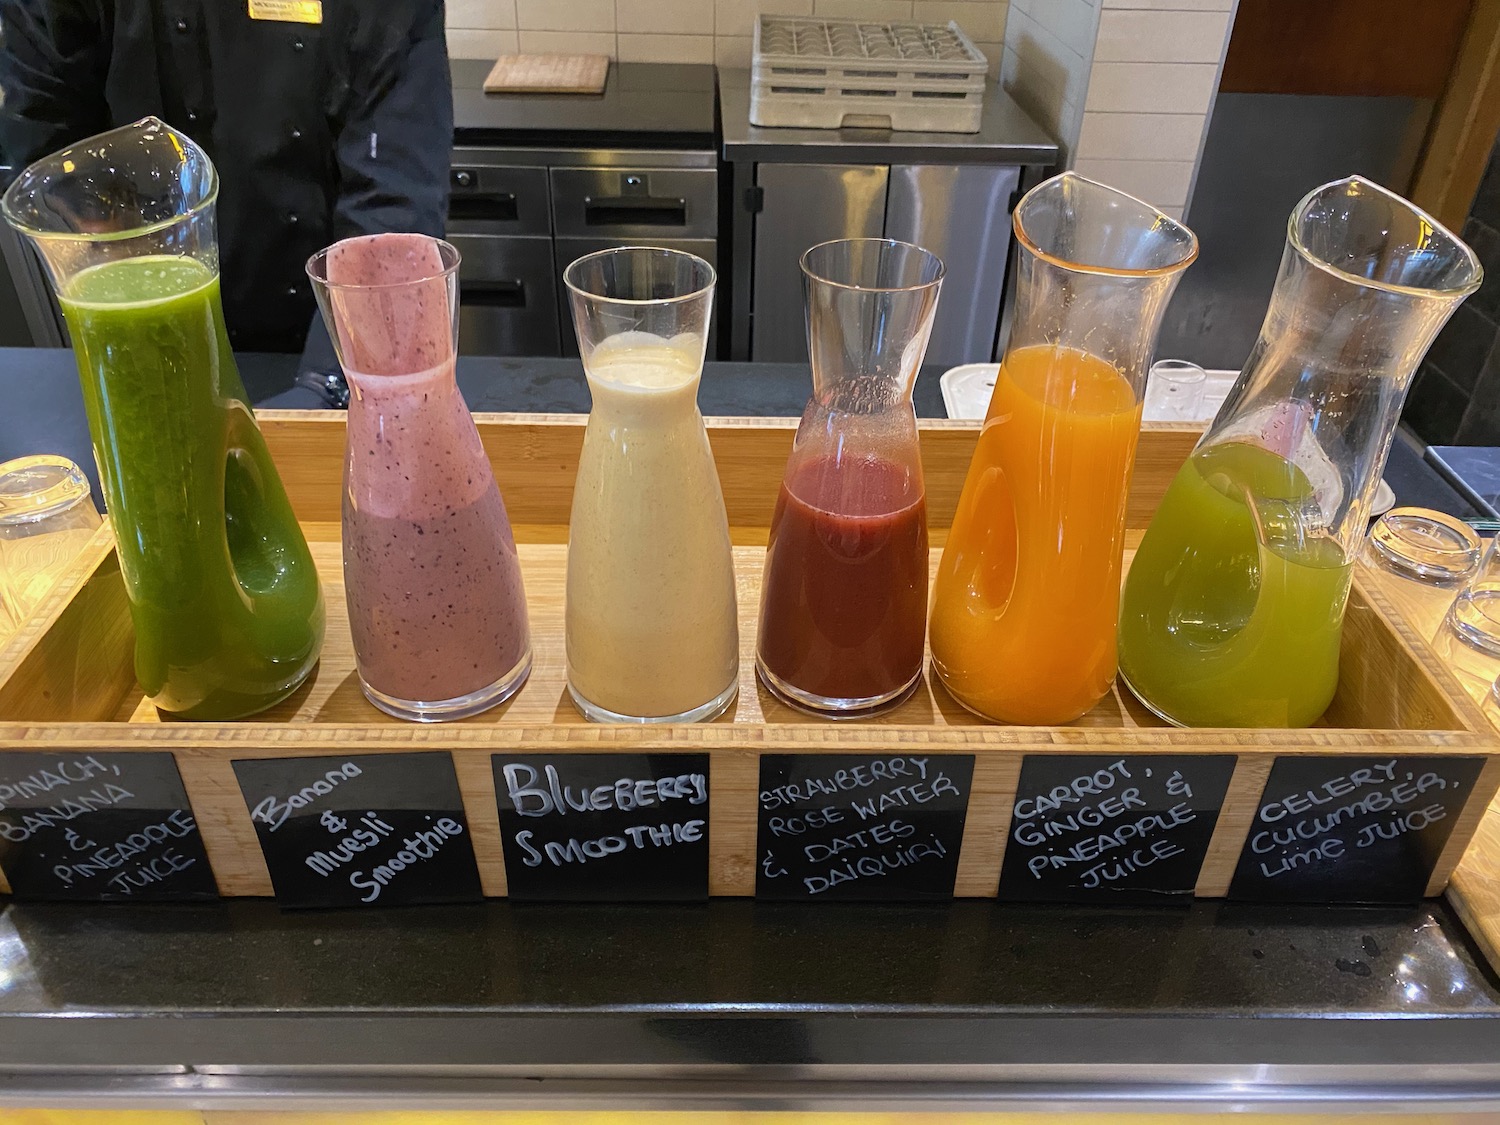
x,y
223,593
1233,608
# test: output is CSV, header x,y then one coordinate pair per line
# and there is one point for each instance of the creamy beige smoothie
x,y
652,630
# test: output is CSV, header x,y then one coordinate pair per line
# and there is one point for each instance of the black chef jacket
x,y
319,131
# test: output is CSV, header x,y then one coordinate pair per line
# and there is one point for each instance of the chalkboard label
x,y
604,827
361,829
1342,829
857,828
100,827
1111,829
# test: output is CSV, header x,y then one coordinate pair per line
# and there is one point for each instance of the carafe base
x,y
227,707
459,707
710,710
1002,719
1146,703
830,707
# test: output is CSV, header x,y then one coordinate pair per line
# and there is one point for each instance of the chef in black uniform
x,y
325,119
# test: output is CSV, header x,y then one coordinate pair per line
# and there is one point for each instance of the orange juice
x,y
1027,596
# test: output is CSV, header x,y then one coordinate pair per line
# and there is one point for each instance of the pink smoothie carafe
x,y
433,583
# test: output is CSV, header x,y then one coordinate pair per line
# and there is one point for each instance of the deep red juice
x,y
844,601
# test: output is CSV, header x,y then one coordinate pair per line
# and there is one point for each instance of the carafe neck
x,y
644,406
856,372
433,385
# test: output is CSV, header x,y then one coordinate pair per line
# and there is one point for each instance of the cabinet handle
x,y
489,207
493,294
639,211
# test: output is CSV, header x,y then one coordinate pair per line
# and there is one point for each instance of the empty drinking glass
x,y
1474,615
46,516
1432,552
1174,391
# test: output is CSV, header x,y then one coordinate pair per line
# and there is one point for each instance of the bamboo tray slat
x,y
332,695
66,681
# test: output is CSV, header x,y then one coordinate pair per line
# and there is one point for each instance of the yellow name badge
x,y
287,11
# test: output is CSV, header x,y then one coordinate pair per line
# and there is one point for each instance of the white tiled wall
x,y
1049,49
718,31
1151,88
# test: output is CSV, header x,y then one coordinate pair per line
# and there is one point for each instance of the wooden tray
x,y
66,680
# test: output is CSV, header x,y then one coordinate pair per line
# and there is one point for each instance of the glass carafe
x,y
1025,602
843,612
431,574
651,625
223,593
1234,605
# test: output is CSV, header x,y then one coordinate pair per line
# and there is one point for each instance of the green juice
x,y
223,593
1221,625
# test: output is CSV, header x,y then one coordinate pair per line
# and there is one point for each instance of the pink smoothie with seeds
x,y
431,575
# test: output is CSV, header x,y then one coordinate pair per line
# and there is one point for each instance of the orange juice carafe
x,y
1025,606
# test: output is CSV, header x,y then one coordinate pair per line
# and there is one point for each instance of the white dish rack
x,y
831,74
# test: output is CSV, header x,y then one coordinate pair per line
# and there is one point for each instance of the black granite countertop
x,y
656,105
43,406
1474,470
43,410
736,1004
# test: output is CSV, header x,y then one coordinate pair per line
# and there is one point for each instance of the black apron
x,y
319,131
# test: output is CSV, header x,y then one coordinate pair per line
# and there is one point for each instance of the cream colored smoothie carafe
x,y
652,630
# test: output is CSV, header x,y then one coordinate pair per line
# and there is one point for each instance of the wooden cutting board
x,y
550,74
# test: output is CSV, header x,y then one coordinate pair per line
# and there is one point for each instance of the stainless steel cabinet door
x,y
507,296
804,204
485,199
961,214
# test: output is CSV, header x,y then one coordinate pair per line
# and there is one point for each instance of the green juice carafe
x,y
223,593
1233,608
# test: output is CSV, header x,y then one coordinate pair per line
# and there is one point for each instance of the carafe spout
x,y
142,189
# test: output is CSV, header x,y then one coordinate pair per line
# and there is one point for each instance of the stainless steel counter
x,y
1007,135
948,192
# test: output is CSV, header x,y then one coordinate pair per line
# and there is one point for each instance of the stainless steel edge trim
x,y
369,1091
505,157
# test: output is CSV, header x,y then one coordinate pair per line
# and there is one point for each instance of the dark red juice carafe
x,y
845,594
843,612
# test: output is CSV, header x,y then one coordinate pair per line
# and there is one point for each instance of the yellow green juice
x,y
1222,624
223,594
